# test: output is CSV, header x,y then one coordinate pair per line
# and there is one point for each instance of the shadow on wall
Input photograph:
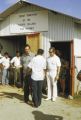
x,y
41,116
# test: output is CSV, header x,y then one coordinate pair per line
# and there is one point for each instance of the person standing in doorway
x,y
1,67
38,66
25,59
1,55
53,70
5,61
64,75
16,64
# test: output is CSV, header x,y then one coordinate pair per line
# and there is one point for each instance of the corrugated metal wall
x,y
61,27
77,27
0,25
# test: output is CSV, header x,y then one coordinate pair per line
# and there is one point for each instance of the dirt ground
x,y
12,107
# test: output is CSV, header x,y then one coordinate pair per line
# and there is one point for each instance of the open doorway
x,y
13,43
65,49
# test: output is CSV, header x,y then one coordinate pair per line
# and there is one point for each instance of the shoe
x,y
39,104
47,99
26,101
54,99
35,106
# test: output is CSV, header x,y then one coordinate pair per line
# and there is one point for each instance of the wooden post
x,y
72,71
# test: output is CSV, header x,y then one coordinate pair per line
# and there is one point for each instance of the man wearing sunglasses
x,y
53,69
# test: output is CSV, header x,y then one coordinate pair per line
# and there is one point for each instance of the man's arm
x,y
58,72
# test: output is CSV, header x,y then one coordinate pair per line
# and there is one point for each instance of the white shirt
x,y
5,62
1,56
37,64
16,61
53,62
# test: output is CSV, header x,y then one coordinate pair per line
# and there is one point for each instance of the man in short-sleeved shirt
x,y
38,65
17,67
25,59
53,69
5,61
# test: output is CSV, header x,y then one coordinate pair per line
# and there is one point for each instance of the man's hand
x,y
57,77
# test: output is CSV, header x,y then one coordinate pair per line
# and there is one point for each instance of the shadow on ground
x,y
41,116
11,95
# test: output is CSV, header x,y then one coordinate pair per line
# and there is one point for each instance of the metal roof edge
x,y
20,3
12,9
55,11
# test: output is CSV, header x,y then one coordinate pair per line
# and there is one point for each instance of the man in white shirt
x,y
38,65
0,55
0,68
5,61
53,69
16,63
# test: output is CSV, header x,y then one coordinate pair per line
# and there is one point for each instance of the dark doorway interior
x,y
18,42
64,48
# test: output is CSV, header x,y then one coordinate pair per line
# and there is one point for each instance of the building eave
x,y
22,3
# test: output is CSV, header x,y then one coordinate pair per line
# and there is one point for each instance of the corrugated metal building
x,y
25,22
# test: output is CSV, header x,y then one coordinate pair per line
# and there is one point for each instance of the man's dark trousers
x,y
37,92
27,87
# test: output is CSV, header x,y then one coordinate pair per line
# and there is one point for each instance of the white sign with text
x,y
29,22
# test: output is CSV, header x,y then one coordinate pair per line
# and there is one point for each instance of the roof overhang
x,y
12,9
22,3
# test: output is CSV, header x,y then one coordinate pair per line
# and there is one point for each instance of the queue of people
x,y
35,68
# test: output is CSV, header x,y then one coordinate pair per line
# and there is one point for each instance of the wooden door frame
x,y
72,68
32,35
